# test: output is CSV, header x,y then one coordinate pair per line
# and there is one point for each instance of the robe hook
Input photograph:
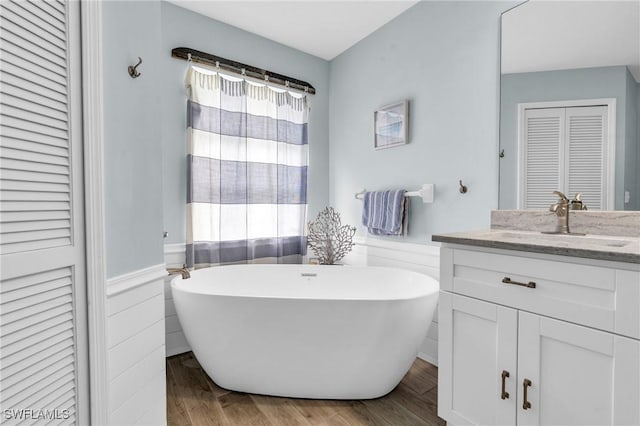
x,y
133,69
463,188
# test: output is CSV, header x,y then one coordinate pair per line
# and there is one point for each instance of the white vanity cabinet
x,y
564,350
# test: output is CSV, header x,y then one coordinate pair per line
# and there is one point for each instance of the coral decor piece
x,y
328,238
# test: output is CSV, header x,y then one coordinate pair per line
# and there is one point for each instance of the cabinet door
x,y
578,376
478,341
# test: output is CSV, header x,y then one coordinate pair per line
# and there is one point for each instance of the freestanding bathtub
x,y
304,331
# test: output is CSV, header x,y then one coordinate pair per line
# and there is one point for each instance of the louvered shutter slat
x,y
35,150
54,333
31,136
25,20
22,36
45,19
20,322
45,387
41,118
34,54
46,7
33,95
20,154
42,335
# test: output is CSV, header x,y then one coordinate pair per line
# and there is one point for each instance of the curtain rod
x,y
242,69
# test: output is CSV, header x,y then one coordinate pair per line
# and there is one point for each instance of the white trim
x,y
92,112
610,153
426,357
174,248
176,351
175,254
131,280
426,249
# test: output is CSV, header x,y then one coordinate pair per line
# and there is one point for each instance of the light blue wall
x,y
444,58
584,83
631,143
183,28
132,155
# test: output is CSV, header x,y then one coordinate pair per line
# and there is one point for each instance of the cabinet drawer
x,y
598,297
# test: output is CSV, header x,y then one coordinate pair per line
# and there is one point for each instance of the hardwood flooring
x,y
193,399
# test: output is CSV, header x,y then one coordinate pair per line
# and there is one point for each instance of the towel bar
x,y
426,193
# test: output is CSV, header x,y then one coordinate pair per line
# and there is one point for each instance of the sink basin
x,y
563,239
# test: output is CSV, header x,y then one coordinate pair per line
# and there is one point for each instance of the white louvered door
x,y
43,342
585,151
542,162
564,149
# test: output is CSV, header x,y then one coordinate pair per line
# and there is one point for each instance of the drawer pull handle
x,y
525,404
508,280
505,394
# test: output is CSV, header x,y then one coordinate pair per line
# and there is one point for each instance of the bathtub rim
x,y
177,283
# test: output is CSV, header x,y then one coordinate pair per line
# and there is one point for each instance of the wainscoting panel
x,y
415,257
176,343
136,347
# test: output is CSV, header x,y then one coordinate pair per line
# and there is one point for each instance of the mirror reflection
x,y
570,104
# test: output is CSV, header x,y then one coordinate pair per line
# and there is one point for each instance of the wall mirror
x,y
570,104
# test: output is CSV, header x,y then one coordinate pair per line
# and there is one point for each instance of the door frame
x,y
610,152
93,135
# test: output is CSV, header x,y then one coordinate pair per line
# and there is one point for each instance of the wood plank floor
x,y
193,399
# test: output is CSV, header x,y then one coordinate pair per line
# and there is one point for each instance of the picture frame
x,y
391,125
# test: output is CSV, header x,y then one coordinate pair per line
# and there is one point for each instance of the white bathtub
x,y
330,332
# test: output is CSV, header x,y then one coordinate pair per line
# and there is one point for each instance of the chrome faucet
x,y
182,271
561,209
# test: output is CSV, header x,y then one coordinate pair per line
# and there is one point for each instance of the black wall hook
x,y
133,69
463,188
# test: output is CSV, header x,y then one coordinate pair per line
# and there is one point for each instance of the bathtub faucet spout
x,y
182,271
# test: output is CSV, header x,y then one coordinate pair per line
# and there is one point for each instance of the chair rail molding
x,y
92,112
131,280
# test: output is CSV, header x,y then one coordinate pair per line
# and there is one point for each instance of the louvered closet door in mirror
x,y
43,343
564,149
542,163
585,151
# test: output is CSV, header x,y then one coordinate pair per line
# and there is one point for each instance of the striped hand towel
x,y
384,212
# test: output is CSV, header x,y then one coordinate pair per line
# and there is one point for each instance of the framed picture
x,y
391,125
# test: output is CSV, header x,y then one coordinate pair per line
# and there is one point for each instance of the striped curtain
x,y
247,165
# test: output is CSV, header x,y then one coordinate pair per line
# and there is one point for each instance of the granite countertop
x,y
603,247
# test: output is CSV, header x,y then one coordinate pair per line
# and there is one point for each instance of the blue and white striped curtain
x,y
247,165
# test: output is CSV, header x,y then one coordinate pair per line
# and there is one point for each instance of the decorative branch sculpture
x,y
329,240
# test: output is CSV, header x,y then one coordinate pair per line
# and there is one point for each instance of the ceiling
x,y
553,35
321,28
